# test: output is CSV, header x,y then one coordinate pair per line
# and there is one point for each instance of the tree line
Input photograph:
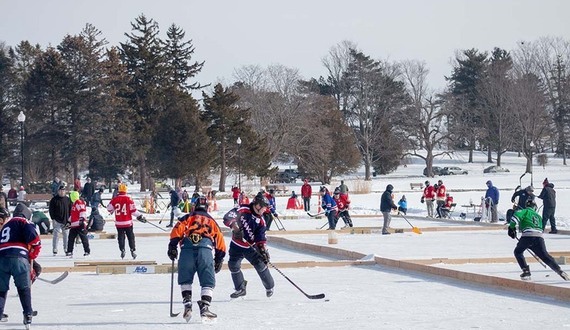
x,y
106,108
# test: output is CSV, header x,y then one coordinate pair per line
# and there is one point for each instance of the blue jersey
x,y
16,238
253,225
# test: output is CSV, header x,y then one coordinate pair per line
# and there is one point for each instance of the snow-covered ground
x,y
365,297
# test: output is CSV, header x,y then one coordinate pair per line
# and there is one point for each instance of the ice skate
x,y
564,275
240,292
27,320
525,276
133,254
269,292
205,313
187,309
122,254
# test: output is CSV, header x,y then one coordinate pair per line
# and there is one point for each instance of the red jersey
x,y
448,202
429,193
235,192
440,194
124,208
342,202
78,212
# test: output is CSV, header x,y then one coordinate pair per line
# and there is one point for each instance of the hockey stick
x,y
152,224
162,218
172,314
278,223
534,255
57,280
323,226
414,229
310,296
315,215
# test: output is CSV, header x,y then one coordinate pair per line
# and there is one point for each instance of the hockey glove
x,y
237,232
262,249
141,218
512,232
66,226
34,251
172,252
218,265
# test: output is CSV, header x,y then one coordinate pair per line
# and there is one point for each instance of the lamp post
x,y
21,120
239,162
531,152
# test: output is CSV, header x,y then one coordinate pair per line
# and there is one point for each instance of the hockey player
x,y
19,243
249,242
329,205
530,224
270,211
78,227
197,234
342,203
124,209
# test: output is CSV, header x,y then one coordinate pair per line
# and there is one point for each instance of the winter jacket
x,y
306,190
429,193
60,208
387,202
523,195
493,192
440,193
548,196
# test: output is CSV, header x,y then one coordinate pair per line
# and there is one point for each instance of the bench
x,y
35,198
418,185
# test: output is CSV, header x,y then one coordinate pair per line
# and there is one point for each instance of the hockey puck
x,y
547,275
327,299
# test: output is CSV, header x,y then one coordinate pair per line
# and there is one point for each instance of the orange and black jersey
x,y
198,225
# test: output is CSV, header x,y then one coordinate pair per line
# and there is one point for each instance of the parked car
x,y
435,169
284,177
453,170
292,173
495,169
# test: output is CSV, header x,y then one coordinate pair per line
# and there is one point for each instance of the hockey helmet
x,y
74,195
122,188
201,203
337,191
530,203
261,200
22,211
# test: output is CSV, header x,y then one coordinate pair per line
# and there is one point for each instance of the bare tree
x,y
423,121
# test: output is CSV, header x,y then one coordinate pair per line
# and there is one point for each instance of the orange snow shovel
x,y
414,229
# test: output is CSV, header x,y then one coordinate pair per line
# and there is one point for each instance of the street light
x,y
531,151
21,120
239,162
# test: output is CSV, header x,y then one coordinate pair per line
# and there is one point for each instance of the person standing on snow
x,y
88,191
523,195
270,211
492,198
386,207
306,192
78,226
124,208
202,251
548,196
19,245
530,225
342,203
249,242
440,192
59,211
343,188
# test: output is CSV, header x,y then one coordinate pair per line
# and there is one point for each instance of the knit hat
x,y
545,182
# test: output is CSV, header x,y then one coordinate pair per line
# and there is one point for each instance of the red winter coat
x,y
448,202
306,190
429,193
440,194
235,192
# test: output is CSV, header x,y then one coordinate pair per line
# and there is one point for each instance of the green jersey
x,y
529,222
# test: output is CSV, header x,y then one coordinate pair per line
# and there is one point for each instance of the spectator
x,y
77,184
293,203
59,211
3,199
403,205
446,208
306,192
428,197
386,206
492,200
343,188
97,199
440,197
55,186
174,201
12,196
88,191
548,196
21,195
235,195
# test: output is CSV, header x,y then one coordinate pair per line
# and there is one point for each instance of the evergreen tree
x,y
178,54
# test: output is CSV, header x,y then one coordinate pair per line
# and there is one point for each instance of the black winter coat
x,y
387,202
548,196
60,208
523,196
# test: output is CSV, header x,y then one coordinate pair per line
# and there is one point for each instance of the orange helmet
x,y
122,188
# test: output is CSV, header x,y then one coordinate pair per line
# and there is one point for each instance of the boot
x,y
240,292
205,311
525,276
122,254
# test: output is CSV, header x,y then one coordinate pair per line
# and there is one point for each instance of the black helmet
x,y
22,211
201,203
4,213
337,191
260,200
323,189
530,203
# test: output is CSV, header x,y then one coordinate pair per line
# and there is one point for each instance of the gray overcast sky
x,y
228,34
